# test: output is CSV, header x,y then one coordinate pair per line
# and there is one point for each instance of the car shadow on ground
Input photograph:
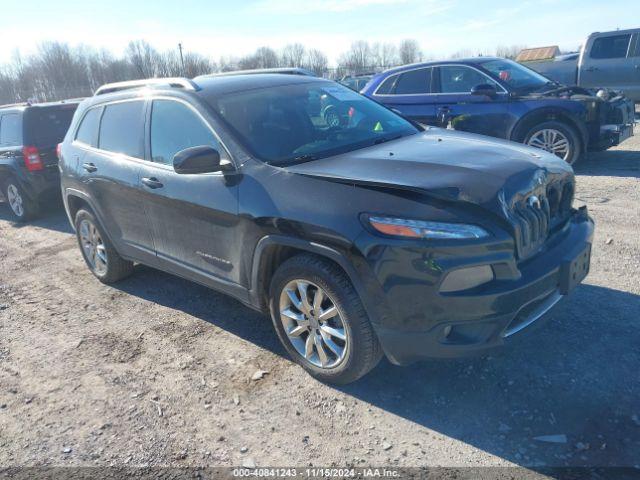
x,y
612,163
202,302
51,217
576,376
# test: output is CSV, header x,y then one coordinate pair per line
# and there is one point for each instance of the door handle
x,y
591,69
89,167
152,182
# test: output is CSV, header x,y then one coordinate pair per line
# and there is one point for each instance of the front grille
x,y
536,214
532,217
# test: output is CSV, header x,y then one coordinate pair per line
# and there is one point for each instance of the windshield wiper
x,y
304,158
295,160
380,140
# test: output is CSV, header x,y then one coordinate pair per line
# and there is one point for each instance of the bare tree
x,y
144,58
358,58
227,64
409,52
57,71
388,55
264,57
196,64
8,92
316,61
510,51
267,58
62,72
293,55
468,53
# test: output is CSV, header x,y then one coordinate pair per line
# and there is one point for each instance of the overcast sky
x,y
229,27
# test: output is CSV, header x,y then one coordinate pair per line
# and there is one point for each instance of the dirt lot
x,y
156,371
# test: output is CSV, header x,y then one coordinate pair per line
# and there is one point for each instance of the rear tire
x,y
21,206
337,343
97,250
552,136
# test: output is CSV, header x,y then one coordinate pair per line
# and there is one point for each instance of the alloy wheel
x,y
15,200
553,141
93,247
313,324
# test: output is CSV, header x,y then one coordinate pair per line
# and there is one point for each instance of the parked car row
x,y
368,236
356,82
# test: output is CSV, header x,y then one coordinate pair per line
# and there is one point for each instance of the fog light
x,y
465,278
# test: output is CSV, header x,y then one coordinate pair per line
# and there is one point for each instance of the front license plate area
x,y
573,271
626,133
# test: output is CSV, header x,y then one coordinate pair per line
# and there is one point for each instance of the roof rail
x,y
73,100
19,104
282,70
149,82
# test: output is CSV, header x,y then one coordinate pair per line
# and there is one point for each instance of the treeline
x,y
58,71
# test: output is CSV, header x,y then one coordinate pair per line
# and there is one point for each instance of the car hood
x,y
447,165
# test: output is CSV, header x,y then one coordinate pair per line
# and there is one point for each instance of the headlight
x,y
401,227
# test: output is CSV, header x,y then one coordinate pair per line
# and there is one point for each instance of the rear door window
x,y
174,127
414,82
615,46
121,128
10,130
47,126
88,130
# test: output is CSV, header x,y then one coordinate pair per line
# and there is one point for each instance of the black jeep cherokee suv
x,y
29,135
369,237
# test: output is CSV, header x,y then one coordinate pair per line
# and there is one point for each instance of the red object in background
x,y
505,75
58,150
32,159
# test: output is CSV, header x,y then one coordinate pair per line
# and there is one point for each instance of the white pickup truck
x,y
608,60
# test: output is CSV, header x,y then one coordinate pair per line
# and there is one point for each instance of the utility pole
x,y
181,59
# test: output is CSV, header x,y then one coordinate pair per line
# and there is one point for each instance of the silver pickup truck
x,y
607,60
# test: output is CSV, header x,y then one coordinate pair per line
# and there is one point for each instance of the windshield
x,y
301,122
518,77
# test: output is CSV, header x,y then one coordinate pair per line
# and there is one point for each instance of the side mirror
x,y
202,159
485,89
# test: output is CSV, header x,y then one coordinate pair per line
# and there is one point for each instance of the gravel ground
x,y
157,371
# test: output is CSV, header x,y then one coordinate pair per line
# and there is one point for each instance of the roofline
x,y
622,32
432,63
16,105
43,104
171,82
255,71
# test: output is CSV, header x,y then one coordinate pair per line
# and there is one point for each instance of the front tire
x,y
557,138
320,320
21,206
98,252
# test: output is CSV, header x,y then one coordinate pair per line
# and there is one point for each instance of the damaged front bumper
x,y
435,324
619,123
613,135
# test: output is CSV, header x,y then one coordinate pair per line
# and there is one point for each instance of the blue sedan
x,y
501,98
